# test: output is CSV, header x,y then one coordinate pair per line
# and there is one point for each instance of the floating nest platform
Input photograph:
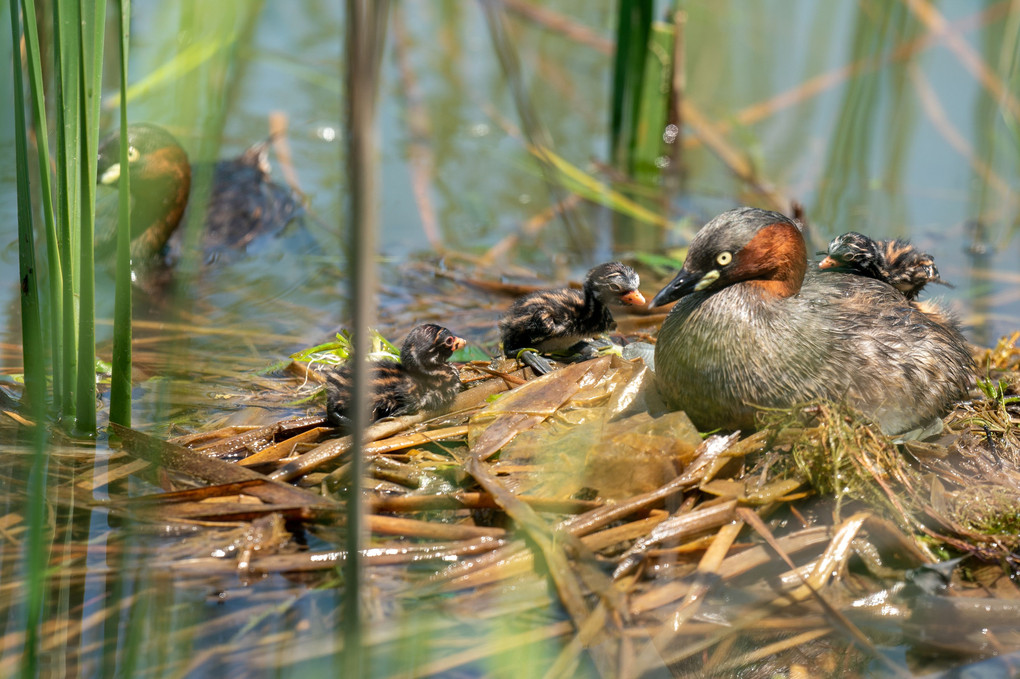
x,y
565,523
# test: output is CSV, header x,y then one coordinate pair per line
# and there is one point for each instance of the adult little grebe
x,y
562,319
896,262
755,327
243,203
421,380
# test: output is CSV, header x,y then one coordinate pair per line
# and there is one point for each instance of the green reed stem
x,y
66,44
91,74
32,58
634,24
35,365
31,314
120,386
652,104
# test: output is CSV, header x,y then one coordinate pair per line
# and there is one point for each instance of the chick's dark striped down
x,y
909,269
895,262
551,320
855,253
421,380
555,320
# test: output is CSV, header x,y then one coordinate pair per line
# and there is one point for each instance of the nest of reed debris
x,y
619,539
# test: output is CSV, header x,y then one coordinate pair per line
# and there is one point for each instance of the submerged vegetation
x,y
561,525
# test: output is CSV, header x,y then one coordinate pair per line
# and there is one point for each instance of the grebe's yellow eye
x,y
724,258
133,154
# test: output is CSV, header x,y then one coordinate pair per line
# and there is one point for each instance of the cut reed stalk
x,y
365,38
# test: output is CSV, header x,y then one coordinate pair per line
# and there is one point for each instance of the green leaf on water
x,y
339,350
469,353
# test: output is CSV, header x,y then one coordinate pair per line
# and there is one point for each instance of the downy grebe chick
x,y
896,262
755,327
421,380
243,204
561,320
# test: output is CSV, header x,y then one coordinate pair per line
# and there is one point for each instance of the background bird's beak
x,y
684,284
110,175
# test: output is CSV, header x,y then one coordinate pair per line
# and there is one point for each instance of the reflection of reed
x,y
937,114
817,85
968,58
534,131
851,154
978,315
419,128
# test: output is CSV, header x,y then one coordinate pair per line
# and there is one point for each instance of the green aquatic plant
x,y
998,392
339,350
67,211
988,511
840,453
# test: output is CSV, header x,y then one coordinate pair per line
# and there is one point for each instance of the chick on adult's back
x,y
895,262
755,327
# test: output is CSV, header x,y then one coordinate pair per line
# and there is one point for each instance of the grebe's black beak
x,y
684,284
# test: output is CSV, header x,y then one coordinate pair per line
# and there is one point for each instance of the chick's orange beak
x,y
459,343
632,298
828,263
